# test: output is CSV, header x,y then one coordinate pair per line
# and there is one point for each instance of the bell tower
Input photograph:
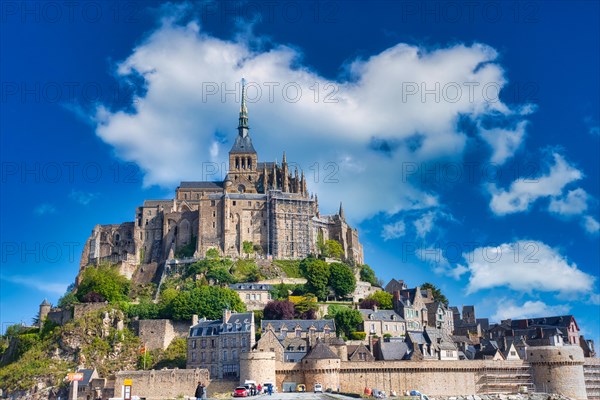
x,y
243,172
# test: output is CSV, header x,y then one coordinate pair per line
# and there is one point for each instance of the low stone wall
x,y
591,371
79,310
162,384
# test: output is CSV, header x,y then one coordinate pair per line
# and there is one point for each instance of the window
x,y
249,204
243,341
362,356
213,356
386,327
234,202
193,356
212,343
197,196
212,203
248,296
258,296
395,328
234,354
203,356
193,344
224,342
213,224
224,355
214,214
513,353
203,342
298,332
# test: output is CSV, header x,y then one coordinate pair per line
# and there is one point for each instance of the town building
x,y
382,323
216,345
254,295
299,328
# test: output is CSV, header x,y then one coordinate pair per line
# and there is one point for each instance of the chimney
x,y
226,315
194,319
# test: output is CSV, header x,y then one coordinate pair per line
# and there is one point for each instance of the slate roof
x,y
238,322
294,344
201,185
394,350
250,286
321,352
559,321
242,144
380,315
87,376
304,324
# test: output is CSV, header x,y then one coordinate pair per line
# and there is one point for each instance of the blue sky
x,y
463,138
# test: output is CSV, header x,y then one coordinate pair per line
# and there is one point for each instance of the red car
x,y
240,391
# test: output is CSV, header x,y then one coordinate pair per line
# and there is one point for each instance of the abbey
x,y
263,203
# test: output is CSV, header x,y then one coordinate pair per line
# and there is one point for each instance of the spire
x,y
275,175
303,184
243,122
341,212
284,159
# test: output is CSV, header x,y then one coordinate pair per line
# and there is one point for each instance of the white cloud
x,y
44,208
524,192
510,310
424,225
41,286
393,231
434,256
374,125
574,203
525,266
590,224
83,198
504,142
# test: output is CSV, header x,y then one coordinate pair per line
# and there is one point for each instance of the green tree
x,y
333,249
341,279
212,253
145,309
187,250
205,301
221,275
248,248
346,321
437,293
368,275
317,277
174,356
105,280
383,298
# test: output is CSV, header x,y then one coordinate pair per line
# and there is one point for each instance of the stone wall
x,y
258,366
162,384
79,310
558,369
159,333
591,371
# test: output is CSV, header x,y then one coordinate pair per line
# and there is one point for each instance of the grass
x,y
290,267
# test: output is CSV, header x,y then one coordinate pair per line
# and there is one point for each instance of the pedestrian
x,y
259,389
204,392
199,391
270,387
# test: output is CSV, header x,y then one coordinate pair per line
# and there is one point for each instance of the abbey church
x,y
264,203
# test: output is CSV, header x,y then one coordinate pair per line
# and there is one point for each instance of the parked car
x,y
240,391
301,388
318,388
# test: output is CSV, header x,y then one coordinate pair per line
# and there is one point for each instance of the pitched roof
x,y
304,324
380,315
394,350
238,322
250,286
242,144
201,185
321,352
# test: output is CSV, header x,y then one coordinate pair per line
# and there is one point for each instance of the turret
x,y
45,308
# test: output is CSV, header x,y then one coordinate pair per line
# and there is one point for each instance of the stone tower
x,y
558,369
44,311
243,160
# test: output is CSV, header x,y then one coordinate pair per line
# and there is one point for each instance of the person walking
x,y
199,394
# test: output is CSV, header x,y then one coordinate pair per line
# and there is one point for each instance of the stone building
x,y
441,317
410,305
254,295
216,345
298,328
261,202
382,323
